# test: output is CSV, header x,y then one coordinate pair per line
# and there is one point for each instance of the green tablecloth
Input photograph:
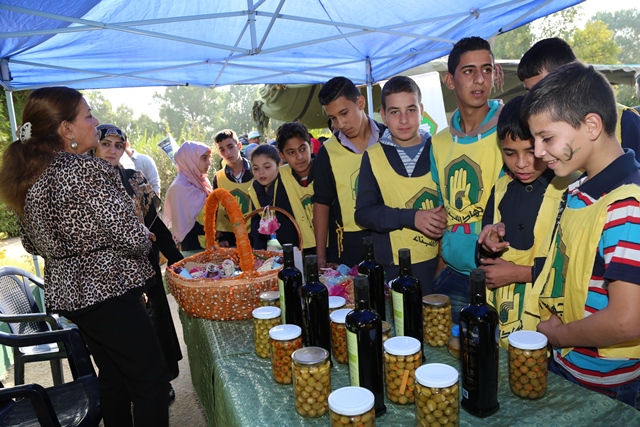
x,y
236,388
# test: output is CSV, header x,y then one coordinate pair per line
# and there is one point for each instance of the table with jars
x,y
238,387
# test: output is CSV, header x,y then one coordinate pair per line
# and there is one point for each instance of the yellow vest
x,y
301,205
509,300
405,193
345,166
570,262
241,193
621,109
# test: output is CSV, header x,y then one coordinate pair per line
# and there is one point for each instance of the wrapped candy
x,y
268,222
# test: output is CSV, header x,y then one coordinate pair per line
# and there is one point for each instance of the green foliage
x,y
19,99
560,24
595,44
514,44
9,226
625,25
626,95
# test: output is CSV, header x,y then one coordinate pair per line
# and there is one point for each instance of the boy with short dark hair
x,y
297,177
397,199
465,163
591,278
336,173
517,224
552,53
236,177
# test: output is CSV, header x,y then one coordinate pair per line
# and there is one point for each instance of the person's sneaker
x,y
172,394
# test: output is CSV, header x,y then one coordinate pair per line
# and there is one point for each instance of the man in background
x,y
146,165
254,137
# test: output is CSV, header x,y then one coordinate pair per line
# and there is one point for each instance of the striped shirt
x,y
408,155
617,258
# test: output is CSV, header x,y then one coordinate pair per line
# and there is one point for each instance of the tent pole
x,y
11,112
369,88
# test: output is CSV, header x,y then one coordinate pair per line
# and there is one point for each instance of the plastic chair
x,y
19,310
76,403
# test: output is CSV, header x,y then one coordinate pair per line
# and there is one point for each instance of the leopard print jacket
x,y
79,218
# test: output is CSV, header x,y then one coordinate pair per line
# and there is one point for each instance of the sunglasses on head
x,y
104,132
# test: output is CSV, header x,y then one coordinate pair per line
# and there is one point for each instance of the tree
x,y
625,25
514,44
595,44
19,100
560,24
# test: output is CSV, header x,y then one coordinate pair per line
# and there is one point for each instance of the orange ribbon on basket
x,y
243,245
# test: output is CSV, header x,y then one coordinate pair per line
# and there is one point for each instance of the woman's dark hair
x,y
266,150
291,130
24,161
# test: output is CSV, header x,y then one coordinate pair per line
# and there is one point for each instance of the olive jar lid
x,y
310,355
268,312
336,302
285,332
402,346
527,340
437,375
350,401
270,295
435,300
340,316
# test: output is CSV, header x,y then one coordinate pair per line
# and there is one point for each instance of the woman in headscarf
x,y
75,213
111,147
186,197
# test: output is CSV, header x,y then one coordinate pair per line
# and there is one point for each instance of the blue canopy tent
x,y
94,44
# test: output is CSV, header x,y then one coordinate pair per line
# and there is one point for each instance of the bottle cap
x,y
361,288
455,330
402,346
477,275
340,316
336,302
435,300
285,332
404,254
310,355
287,248
437,375
527,340
350,401
270,295
268,312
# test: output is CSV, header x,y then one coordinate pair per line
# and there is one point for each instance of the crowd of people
x,y
542,193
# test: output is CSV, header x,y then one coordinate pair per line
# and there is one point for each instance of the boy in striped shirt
x,y
591,278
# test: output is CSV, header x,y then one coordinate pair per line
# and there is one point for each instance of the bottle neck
x,y
363,304
368,253
405,268
478,293
288,260
312,277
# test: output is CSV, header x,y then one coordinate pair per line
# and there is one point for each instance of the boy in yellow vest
x,y
465,163
297,177
591,278
397,199
517,223
236,177
549,54
336,173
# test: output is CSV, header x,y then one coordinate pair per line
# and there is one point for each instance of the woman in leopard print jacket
x,y
75,213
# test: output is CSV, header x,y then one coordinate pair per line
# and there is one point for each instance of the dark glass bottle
x,y
289,283
479,351
364,342
406,300
373,270
316,329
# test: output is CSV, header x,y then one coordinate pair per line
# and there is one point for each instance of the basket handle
x,y
243,245
285,213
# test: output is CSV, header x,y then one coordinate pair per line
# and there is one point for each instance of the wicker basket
x,y
231,298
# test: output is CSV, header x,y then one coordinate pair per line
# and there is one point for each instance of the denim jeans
x,y
628,393
456,286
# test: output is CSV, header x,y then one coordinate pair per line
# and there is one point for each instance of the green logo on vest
x,y
354,183
307,206
424,199
242,199
463,186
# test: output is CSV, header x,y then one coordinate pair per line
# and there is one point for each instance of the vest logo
x,y
307,206
354,183
463,183
242,199
424,199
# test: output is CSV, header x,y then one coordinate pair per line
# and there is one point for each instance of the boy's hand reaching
x,y
498,272
491,238
432,222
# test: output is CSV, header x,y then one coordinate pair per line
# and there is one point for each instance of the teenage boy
x,y
549,54
297,176
518,220
397,199
236,177
336,173
591,278
465,163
